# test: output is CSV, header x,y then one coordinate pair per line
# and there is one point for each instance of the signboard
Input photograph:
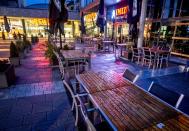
x,y
122,11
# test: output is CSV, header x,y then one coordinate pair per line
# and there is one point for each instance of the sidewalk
x,y
38,100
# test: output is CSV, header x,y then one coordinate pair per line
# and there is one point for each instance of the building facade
x,y
166,21
33,19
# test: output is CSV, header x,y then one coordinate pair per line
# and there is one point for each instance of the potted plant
x,y
33,39
7,74
27,45
14,55
50,54
66,47
20,46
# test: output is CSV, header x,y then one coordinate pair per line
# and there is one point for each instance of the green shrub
x,y
27,43
50,54
66,47
13,50
20,45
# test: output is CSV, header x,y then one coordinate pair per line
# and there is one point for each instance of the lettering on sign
x,y
122,11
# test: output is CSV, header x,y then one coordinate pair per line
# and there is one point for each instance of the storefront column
x,y
73,29
142,23
24,26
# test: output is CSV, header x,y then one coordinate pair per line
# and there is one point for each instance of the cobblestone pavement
x,y
38,100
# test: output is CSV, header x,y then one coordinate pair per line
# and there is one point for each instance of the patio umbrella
x,y
83,30
58,15
100,18
7,27
133,17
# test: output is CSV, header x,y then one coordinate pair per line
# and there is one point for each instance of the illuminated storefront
x,y
35,26
90,24
117,20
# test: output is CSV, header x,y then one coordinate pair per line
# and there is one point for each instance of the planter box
x,y
7,75
15,61
127,55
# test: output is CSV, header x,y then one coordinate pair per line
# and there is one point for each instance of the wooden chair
x,y
171,97
136,54
148,56
130,76
184,105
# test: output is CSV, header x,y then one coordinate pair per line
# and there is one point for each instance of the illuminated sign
x,y
122,11
90,17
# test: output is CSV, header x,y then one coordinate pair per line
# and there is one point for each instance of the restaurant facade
x,y
165,22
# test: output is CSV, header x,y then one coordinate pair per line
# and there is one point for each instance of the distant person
x,y
19,36
14,35
3,35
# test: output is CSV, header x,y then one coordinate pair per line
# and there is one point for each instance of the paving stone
x,y
21,128
35,118
10,123
42,107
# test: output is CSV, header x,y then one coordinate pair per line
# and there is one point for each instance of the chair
x,y
61,66
164,56
171,97
184,105
130,76
148,56
82,63
89,125
136,54
83,110
75,100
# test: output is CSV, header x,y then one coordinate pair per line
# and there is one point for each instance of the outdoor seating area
x,y
94,65
111,99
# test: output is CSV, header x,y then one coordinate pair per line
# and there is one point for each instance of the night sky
x,y
29,2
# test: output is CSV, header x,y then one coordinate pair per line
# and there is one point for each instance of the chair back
x,y
132,77
135,51
184,105
61,66
171,97
146,52
90,126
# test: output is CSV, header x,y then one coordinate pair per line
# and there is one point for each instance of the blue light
x,y
113,14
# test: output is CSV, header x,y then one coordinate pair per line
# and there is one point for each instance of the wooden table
x,y
122,45
128,107
70,55
105,81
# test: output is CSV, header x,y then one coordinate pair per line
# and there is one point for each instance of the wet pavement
x,y
38,100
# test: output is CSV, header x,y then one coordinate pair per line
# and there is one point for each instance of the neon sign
x,y
122,11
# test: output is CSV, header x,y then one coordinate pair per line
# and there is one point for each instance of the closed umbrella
x,y
100,18
58,15
83,30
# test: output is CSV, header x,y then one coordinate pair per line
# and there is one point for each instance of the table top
x,y
95,82
125,44
131,108
74,54
107,41
156,50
